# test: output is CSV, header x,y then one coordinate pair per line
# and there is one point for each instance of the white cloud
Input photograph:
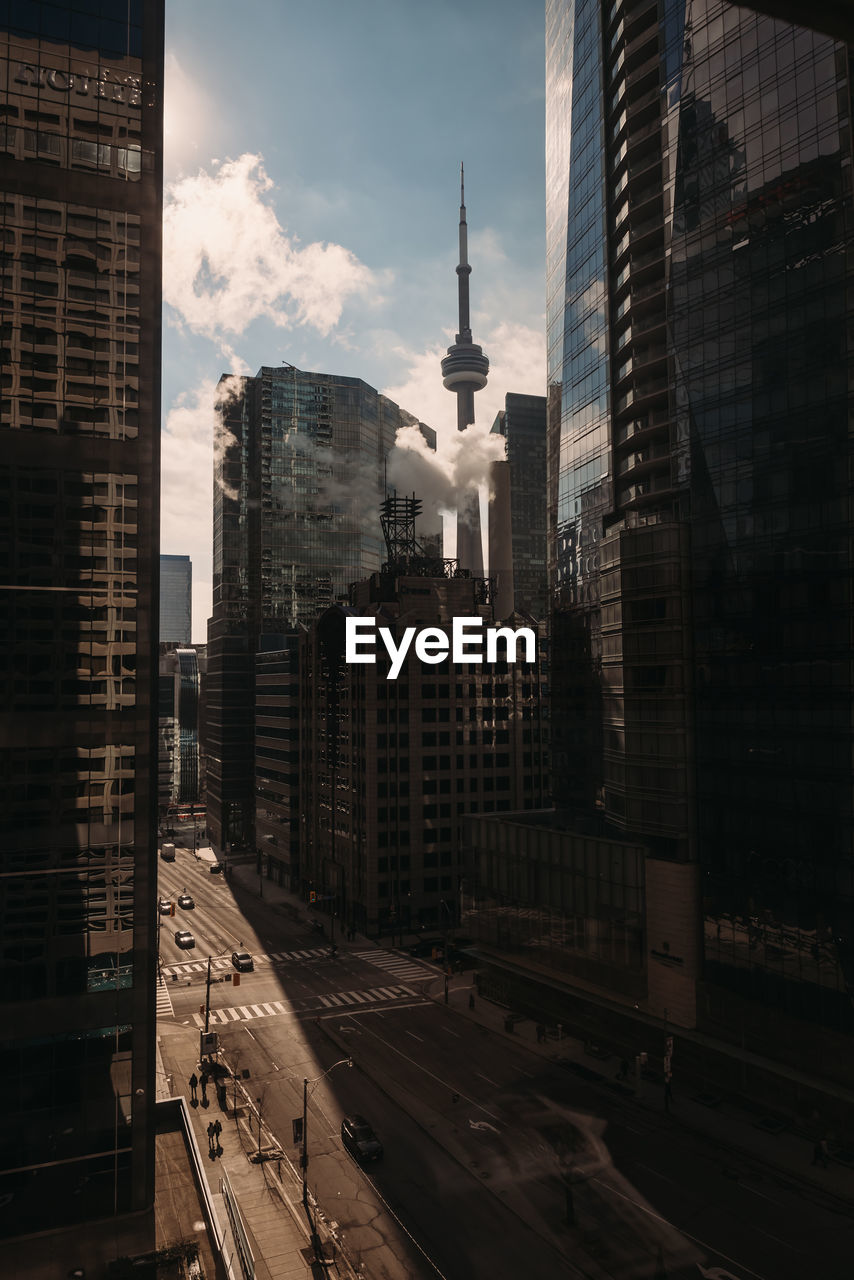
x,y
186,477
228,261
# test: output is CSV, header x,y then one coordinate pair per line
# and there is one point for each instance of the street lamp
x,y
304,1158
219,956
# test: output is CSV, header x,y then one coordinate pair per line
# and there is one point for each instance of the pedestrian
x,y
203,1081
668,1092
211,1136
217,1131
471,999
819,1153
194,1084
624,1070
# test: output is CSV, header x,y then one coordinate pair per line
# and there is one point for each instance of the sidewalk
x,y
267,1191
786,1152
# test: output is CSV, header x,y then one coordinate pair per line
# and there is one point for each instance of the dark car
x,y
360,1140
184,939
428,948
186,901
242,961
164,906
215,868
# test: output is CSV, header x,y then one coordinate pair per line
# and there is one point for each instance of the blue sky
x,y
312,163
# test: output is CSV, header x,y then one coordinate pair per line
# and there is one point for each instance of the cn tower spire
x,y
463,270
465,367
464,371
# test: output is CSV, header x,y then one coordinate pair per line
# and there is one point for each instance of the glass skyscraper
x,y
298,481
80,218
176,600
522,423
700,340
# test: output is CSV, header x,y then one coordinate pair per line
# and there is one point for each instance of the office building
x,y
699,343
522,423
697,453
180,755
176,600
389,767
80,202
297,490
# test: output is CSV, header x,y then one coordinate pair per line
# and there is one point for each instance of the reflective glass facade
x,y
761,323
298,481
80,200
522,423
699,497
176,599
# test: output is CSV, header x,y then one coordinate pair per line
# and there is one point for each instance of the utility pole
x,y
304,1156
208,998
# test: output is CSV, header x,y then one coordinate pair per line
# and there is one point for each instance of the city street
x,y
482,1137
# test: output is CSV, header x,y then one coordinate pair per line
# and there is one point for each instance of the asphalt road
x,y
481,1136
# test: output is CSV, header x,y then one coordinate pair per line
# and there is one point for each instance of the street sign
x,y
207,1043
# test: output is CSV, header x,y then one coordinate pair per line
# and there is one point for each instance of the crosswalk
x,y
164,1000
397,965
274,957
304,1004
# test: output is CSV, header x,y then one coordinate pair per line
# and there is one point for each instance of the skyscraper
x,y
178,727
298,483
699,341
80,176
176,600
522,423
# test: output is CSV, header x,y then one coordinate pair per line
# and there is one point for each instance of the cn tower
x,y
464,371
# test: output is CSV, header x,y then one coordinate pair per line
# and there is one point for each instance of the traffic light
x,y
201,1008
312,896
171,908
297,1125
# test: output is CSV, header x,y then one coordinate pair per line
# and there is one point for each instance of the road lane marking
x,y
415,1037
655,1173
761,1194
494,1083
444,1083
680,1230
